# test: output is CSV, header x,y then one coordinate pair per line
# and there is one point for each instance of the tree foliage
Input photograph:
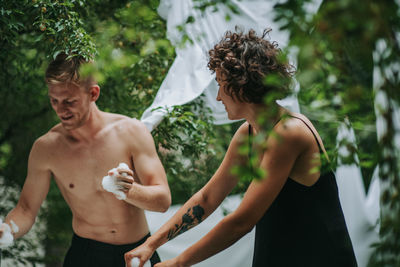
x,y
338,50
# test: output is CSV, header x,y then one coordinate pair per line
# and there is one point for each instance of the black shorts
x,y
90,253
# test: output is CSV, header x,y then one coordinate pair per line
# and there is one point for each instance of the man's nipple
x,y
71,185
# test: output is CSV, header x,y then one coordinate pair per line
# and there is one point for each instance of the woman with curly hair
x,y
294,205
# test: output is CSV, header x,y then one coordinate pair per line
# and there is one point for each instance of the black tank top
x,y
304,226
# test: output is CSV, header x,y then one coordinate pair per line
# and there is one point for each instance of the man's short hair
x,y
66,69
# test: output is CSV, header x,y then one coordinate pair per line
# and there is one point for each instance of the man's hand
x,y
142,253
118,181
6,233
124,179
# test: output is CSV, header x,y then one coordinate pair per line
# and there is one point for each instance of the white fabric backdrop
x,y
189,77
361,210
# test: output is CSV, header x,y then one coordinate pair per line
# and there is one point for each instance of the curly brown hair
x,y
246,61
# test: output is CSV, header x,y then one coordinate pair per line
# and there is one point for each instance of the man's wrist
x,y
153,243
132,191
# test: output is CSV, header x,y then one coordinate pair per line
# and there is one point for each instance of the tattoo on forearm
x,y
192,217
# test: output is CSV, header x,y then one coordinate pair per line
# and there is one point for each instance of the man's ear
x,y
94,91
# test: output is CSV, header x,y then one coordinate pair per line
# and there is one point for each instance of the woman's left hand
x,y
171,263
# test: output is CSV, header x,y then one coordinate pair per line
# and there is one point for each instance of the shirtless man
x,y
78,153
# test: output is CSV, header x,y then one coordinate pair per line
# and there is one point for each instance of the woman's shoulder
x,y
240,135
290,125
294,125
244,128
242,131
299,130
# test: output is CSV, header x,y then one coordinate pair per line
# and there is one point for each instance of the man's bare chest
x,y
82,167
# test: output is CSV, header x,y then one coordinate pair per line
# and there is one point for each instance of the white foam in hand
x,y
109,182
135,263
7,238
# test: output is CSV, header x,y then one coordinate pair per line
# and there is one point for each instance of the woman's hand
x,y
175,262
143,253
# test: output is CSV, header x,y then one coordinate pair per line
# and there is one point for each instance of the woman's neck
x,y
259,116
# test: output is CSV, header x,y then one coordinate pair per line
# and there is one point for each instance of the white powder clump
x,y
7,238
109,182
135,263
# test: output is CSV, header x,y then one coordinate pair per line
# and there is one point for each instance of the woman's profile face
x,y
233,107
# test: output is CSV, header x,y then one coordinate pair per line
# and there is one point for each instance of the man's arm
x,y
34,191
152,193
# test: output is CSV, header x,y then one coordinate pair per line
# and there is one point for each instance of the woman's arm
x,y
199,206
277,161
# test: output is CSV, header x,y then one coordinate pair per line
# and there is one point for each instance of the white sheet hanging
x,y
189,76
361,210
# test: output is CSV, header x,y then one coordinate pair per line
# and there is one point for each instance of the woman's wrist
x,y
181,262
184,259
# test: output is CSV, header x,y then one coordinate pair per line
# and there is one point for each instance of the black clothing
x,y
304,227
86,252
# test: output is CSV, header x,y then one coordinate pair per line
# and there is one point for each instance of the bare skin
x,y
77,153
292,155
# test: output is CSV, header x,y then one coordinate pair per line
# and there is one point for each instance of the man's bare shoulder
x,y
126,124
50,139
129,130
137,126
44,147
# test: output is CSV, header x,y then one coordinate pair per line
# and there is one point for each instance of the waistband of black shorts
x,y
104,246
